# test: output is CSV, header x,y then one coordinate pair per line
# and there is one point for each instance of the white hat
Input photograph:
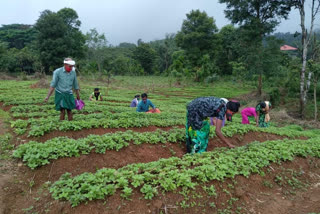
x,y
69,62
225,100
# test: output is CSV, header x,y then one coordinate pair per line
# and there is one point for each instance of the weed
x,y
267,184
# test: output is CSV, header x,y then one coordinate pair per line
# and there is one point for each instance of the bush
x,y
274,96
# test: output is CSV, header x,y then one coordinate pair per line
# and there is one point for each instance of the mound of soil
x,y
24,187
42,83
4,76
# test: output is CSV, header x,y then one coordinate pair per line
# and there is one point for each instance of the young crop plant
x,y
149,191
126,193
211,190
164,174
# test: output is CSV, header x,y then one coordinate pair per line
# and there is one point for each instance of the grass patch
x,y
5,146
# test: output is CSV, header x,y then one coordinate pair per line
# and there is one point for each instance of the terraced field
x,y
111,159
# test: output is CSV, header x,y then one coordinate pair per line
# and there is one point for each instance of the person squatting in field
x,y
198,127
145,103
263,117
64,79
135,101
96,95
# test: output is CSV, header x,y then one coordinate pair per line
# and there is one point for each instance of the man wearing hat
x,y
64,80
198,127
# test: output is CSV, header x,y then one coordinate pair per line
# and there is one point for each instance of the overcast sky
x,y
126,20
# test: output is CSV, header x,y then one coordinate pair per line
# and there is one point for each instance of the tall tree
x,y
164,49
197,36
146,56
305,41
59,37
96,44
17,35
258,18
229,50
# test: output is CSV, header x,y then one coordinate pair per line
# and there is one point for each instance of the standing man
x,y
64,79
198,127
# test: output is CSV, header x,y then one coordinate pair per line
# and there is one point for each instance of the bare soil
x,y
23,190
96,131
27,187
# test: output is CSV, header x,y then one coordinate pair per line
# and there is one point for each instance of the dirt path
x,y
6,172
281,197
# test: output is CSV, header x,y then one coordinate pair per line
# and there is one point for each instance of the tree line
x,y
199,51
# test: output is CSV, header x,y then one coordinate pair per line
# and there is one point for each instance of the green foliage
x,y
262,15
229,49
146,56
197,37
38,154
17,35
275,96
215,165
5,146
165,49
59,37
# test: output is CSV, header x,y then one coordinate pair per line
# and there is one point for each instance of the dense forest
x,y
199,51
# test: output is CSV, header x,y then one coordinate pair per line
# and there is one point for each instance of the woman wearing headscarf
x,y
198,126
263,117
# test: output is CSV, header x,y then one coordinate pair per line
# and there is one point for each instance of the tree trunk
x,y
99,69
303,97
305,42
315,82
303,88
260,84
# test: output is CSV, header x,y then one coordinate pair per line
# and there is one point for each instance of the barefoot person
x,y
64,79
198,127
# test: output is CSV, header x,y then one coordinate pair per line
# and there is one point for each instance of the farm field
x,y
111,159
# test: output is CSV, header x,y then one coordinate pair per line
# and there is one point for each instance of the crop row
x,y
40,126
186,172
37,154
44,108
86,110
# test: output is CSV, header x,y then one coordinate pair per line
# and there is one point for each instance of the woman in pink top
x,y
248,112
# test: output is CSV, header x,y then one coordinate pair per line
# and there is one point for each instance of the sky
x,y
127,20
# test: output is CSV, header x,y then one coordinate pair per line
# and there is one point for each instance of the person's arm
x,y
257,118
76,86
101,99
53,85
220,135
151,104
90,98
51,89
138,107
78,94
